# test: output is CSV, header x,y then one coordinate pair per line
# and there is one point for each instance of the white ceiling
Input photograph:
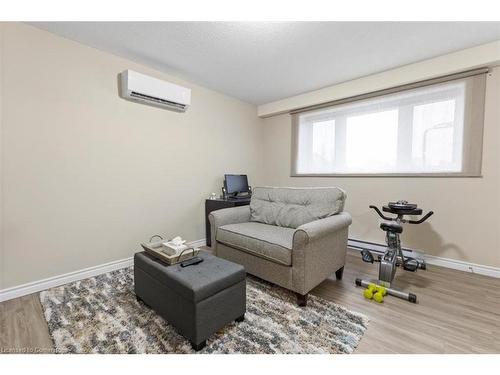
x,y
260,62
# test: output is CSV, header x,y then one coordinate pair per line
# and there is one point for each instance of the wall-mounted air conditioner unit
x,y
148,90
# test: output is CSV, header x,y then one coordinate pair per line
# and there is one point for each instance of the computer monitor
x,y
236,183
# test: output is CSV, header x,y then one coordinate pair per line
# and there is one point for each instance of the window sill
x,y
438,175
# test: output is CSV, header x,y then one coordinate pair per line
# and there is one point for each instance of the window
x,y
434,129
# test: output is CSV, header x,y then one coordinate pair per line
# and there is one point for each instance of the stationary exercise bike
x,y
393,256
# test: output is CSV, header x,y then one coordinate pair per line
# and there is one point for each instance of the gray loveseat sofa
x,y
293,237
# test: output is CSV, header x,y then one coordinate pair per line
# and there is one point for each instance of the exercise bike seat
x,y
391,226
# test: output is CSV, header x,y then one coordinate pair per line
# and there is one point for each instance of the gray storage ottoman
x,y
197,300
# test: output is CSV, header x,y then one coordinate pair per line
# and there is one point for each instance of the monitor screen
x,y
236,183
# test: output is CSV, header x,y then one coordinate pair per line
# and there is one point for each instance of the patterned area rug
x,y
101,315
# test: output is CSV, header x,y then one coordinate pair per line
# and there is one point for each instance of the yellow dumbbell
x,y
378,297
368,293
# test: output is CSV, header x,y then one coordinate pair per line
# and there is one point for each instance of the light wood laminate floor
x,y
458,312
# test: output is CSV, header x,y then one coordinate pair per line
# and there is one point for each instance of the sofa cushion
x,y
266,241
292,207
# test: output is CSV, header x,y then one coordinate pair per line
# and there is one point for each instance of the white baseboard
x,y
199,243
51,282
463,266
457,265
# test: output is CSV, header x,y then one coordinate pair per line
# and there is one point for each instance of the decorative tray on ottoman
x,y
169,255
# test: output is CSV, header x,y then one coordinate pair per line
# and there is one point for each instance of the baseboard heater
x,y
379,249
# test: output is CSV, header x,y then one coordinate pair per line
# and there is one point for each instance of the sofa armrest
x,y
233,215
322,227
319,249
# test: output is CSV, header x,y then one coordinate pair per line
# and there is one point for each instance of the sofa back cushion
x,y
292,207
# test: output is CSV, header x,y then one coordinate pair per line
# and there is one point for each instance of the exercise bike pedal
x,y
410,265
367,256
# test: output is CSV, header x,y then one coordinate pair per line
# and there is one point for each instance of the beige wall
x,y
86,175
465,225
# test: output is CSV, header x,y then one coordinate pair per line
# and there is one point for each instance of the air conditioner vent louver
x,y
157,100
148,90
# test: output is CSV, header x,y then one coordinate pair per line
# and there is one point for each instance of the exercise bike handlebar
x,y
380,213
428,215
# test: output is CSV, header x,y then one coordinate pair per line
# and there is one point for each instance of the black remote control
x,y
191,262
